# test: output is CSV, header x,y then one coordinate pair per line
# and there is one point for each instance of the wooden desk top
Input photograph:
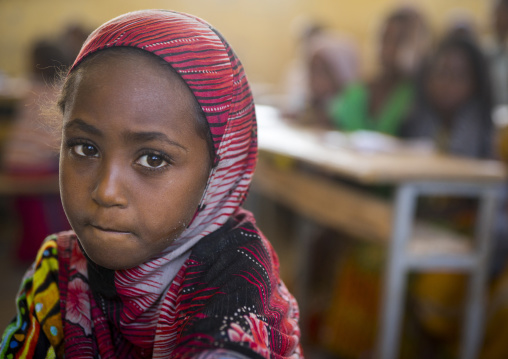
x,y
399,162
13,90
16,185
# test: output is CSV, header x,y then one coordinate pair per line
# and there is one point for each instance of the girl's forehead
x,y
119,68
133,85
124,56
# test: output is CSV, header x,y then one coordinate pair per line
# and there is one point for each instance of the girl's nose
x,y
109,188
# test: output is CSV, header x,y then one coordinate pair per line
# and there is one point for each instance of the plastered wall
x,y
259,30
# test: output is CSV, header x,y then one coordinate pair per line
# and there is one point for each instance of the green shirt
x,y
350,110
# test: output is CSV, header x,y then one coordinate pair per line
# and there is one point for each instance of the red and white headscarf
x,y
211,70
216,77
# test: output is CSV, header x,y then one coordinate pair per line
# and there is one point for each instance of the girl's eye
x,y
152,161
86,150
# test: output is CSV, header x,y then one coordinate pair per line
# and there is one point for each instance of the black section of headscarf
x,y
102,280
102,285
232,274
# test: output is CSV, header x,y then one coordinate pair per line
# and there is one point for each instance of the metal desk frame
x,y
401,261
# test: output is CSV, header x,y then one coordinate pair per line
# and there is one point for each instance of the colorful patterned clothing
x,y
227,295
36,331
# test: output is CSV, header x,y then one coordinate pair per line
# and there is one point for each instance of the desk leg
x,y
394,288
472,335
306,230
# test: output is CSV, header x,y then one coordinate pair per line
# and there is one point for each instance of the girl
x,y
452,111
332,65
329,63
453,102
158,150
382,103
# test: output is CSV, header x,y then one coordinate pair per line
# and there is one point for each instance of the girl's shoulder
x,y
228,242
57,242
233,297
37,327
237,248
59,254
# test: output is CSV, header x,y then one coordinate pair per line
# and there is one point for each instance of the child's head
x,y
500,19
333,63
404,39
454,75
147,118
46,58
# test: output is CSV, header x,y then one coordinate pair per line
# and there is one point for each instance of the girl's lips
x,y
111,230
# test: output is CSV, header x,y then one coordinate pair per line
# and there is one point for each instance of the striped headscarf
x,y
214,74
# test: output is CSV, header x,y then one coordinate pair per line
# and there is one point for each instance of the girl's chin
x,y
113,259
112,250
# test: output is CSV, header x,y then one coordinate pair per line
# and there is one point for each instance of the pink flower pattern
x,y
78,305
258,340
78,262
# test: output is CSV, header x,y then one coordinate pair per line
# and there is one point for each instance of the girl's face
x,y
323,83
450,83
402,44
133,167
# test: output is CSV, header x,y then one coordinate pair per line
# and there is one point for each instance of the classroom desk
x,y
34,185
12,92
412,245
13,88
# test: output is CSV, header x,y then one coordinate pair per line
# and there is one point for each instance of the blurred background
x,y
263,33
420,67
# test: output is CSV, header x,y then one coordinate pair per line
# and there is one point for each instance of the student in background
x,y
497,53
453,110
31,150
453,101
332,66
71,39
382,103
328,62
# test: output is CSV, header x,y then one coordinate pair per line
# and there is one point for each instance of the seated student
x,y
331,64
382,103
158,150
497,52
31,151
453,111
453,102
452,87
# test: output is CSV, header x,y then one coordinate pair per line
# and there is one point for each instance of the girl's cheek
x,y
72,182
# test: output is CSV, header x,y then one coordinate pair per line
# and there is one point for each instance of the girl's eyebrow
x,y
82,125
148,136
129,136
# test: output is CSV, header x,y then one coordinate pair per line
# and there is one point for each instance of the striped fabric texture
x,y
142,318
